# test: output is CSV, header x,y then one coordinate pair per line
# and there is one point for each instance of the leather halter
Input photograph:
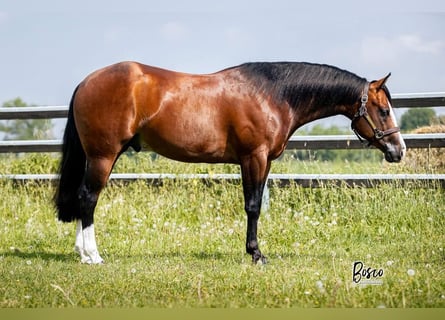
x,y
363,113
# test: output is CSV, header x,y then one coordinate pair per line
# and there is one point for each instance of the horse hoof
x,y
259,260
93,258
91,261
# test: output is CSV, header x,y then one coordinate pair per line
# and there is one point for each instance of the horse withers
x,y
241,115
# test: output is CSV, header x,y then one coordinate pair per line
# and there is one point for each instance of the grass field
x,y
182,244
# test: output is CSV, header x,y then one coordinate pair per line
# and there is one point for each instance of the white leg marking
x,y
90,246
86,244
78,246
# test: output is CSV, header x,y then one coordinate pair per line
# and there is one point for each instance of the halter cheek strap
x,y
363,113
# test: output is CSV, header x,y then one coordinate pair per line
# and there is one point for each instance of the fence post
x,y
265,203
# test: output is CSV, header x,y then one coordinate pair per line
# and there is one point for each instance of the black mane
x,y
303,84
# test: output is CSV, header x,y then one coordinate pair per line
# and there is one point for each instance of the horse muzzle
x,y
395,152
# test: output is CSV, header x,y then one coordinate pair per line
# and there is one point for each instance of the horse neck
x,y
310,91
304,113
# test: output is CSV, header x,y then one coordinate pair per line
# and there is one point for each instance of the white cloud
x,y
174,30
378,48
416,44
389,50
235,36
114,34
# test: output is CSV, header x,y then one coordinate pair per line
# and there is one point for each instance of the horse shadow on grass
x,y
42,255
179,255
203,256
73,257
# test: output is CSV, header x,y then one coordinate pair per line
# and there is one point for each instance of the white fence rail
x,y
274,179
430,140
434,140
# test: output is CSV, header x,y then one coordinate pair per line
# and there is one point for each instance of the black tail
x,y
72,170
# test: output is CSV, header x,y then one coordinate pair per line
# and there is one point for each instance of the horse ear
x,y
380,83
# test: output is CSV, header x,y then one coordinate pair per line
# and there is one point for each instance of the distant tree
x,y
439,120
319,130
417,117
25,129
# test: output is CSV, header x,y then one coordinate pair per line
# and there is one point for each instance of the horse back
x,y
196,118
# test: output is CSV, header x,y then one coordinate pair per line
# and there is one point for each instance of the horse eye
x,y
384,112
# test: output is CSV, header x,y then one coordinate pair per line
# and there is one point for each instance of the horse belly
x,y
188,141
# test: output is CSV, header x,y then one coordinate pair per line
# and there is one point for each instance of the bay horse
x,y
241,115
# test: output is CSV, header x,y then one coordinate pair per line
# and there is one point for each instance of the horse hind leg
x,y
96,176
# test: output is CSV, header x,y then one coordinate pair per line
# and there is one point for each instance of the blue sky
x,y
47,47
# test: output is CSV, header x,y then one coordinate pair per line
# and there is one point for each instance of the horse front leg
x,y
254,171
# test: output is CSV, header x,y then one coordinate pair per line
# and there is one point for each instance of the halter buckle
x,y
378,134
364,98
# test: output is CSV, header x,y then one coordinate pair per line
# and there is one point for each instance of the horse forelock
x,y
302,83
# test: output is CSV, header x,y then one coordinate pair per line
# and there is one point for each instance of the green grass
x,y
144,163
182,245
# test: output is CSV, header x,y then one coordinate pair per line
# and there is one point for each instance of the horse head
x,y
376,123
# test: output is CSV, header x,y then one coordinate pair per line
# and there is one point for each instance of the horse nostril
x,y
393,156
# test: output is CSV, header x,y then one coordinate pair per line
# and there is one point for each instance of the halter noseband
x,y
363,112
